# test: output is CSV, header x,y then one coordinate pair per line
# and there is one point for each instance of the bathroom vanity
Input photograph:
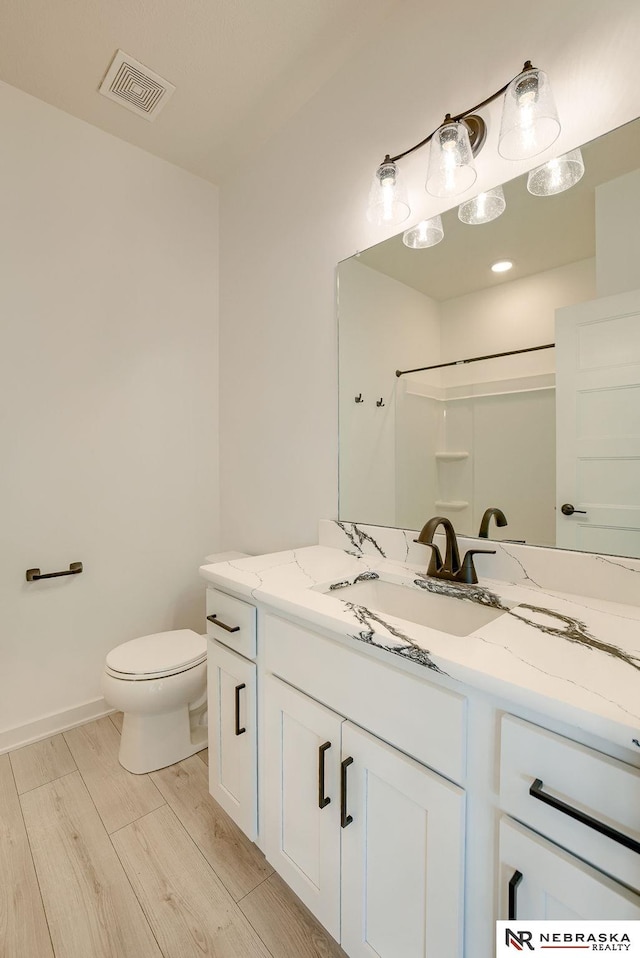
x,y
413,777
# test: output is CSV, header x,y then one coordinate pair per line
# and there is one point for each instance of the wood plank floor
x,y
98,863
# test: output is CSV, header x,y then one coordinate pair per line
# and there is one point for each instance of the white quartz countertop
x,y
569,656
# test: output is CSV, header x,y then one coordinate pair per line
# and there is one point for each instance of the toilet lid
x,y
162,652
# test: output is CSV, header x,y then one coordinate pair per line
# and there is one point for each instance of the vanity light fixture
x,y
483,208
530,121
529,125
451,167
426,233
502,266
557,175
388,203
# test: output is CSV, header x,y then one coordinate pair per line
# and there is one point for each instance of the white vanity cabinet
x,y
232,707
370,839
409,811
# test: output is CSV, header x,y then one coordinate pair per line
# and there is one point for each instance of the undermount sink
x,y
456,616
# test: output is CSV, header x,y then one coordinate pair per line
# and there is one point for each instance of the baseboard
x,y
52,724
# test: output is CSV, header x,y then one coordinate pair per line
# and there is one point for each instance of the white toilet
x,y
159,682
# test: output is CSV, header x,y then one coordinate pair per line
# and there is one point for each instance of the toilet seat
x,y
157,656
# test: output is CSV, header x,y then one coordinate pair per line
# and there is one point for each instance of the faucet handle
x,y
435,563
467,571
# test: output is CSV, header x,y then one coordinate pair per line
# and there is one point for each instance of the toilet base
x,y
150,742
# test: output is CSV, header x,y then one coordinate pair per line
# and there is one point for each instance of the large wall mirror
x,y
526,433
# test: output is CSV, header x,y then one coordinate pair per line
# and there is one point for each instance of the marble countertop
x,y
568,656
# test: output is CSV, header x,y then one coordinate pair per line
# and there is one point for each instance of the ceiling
x,y
241,67
536,233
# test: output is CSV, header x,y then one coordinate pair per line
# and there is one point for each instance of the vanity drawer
x,y
538,767
414,715
234,624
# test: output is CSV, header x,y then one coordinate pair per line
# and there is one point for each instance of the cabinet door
x,y
301,800
233,767
402,855
553,884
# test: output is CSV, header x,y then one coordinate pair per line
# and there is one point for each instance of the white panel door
x,y
233,768
301,800
402,855
598,425
549,883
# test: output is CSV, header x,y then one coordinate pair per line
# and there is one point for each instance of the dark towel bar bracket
x,y
34,574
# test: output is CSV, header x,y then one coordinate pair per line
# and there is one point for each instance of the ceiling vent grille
x,y
134,86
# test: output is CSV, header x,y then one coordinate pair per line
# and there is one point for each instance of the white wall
x,y
108,417
511,315
298,207
384,326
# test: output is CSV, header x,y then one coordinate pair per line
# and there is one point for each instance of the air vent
x,y
135,86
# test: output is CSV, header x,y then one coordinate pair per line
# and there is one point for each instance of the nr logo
x,y
518,939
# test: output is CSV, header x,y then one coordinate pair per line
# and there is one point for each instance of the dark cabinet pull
x,y
344,818
323,800
34,575
514,881
227,628
239,730
568,510
536,792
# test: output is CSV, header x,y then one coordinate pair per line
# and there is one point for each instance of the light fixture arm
x,y
461,116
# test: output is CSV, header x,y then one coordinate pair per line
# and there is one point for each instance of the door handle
x,y
514,881
344,818
239,688
323,800
567,510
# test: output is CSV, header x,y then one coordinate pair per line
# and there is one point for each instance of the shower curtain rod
x,y
474,359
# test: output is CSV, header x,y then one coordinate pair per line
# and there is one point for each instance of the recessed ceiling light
x,y
502,266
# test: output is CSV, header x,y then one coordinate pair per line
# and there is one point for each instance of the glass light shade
x,y
530,121
557,175
426,233
388,202
451,167
483,208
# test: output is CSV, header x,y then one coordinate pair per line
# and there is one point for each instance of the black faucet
x,y
451,569
499,516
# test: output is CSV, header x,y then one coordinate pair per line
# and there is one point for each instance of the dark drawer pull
x,y
514,881
239,688
34,575
223,625
344,818
536,792
323,800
